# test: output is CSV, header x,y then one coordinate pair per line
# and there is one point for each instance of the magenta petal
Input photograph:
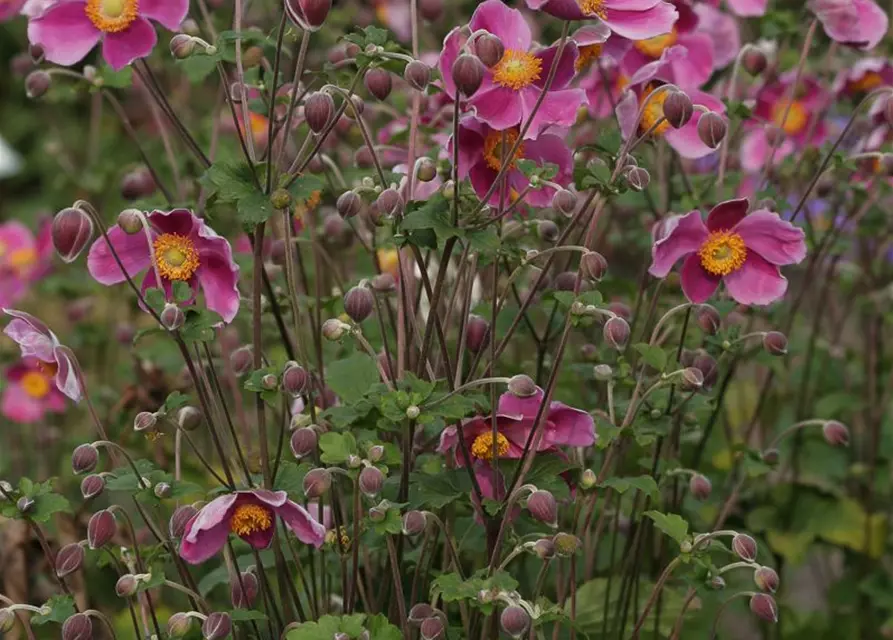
x,y
694,69
512,405
565,71
748,8
207,543
570,427
640,25
66,378
305,527
559,108
219,277
133,250
260,539
471,145
212,514
451,46
564,9
757,282
168,13
136,41
727,214
776,240
14,235
682,235
449,439
482,178
697,283
179,221
65,32
499,107
505,23
19,407
857,22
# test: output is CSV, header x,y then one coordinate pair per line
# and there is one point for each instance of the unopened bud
x,y
522,386
317,482
130,220
189,418
69,559
425,170
754,61
616,332
348,204
179,520
775,343
678,109
318,110
309,15
468,73
378,82
243,591
432,629
708,319
547,231
77,627
420,612
182,46
358,303
564,201
378,513
836,433
370,481
431,10
172,317
36,52
477,333
390,203
333,329
163,490
417,74
304,442
84,458
217,626
594,265
603,372
544,549
763,605
101,528
178,625
136,184
712,129
242,360
717,583
692,379
543,507
71,231
638,178
766,579
744,547
92,486
414,523
294,379
515,621
25,504
126,585
588,479
489,49
700,486
7,620
144,421
37,83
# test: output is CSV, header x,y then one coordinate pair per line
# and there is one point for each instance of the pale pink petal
x,y
32,335
558,108
627,112
136,41
748,8
697,283
65,32
168,13
682,235
639,24
757,282
307,529
132,249
205,544
20,407
505,23
727,214
859,23
776,240
15,235
722,29
564,9
216,512
500,107
273,499
696,67
66,378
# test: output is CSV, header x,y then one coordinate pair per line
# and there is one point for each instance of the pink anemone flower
x,y
857,23
182,248
744,8
35,340
69,29
30,392
251,515
24,259
633,19
9,9
722,29
864,76
512,87
743,250
480,158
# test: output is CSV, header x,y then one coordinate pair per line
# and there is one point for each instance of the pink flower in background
x,y
864,76
858,23
183,248
395,15
744,8
510,89
251,515
743,250
36,341
69,29
24,259
31,392
633,19
722,29
480,157
9,9
602,97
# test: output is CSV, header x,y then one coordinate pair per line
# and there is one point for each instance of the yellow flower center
x,y
493,149
587,54
722,253
482,447
35,384
797,116
517,69
250,518
871,80
22,259
654,111
112,16
48,369
389,261
176,256
653,47
593,8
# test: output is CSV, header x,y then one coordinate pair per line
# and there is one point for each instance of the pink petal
x,y
776,240
627,112
859,23
640,24
55,401
748,8
569,427
564,9
500,107
512,405
694,69
482,178
273,499
559,108
218,276
19,407
169,13
136,41
66,378
565,71
757,282
305,527
471,145
133,250
451,46
260,539
727,214
197,547
14,235
722,29
32,335
213,514
682,235
505,23
65,32
697,283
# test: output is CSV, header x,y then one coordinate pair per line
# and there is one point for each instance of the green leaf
x,y
391,525
352,377
197,67
436,491
46,505
645,484
380,629
670,523
328,626
61,609
337,447
174,401
452,588
199,325
182,291
230,181
155,298
652,355
247,615
254,209
303,188
111,79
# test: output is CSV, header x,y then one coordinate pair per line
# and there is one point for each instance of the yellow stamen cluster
x,y
722,253
654,111
869,81
595,8
493,149
22,259
517,69
250,518
339,539
796,120
176,256
654,47
112,16
587,55
482,447
35,384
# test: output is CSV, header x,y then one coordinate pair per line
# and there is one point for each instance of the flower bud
x,y
712,129
294,379
754,61
378,82
414,523
172,317
130,221
717,583
700,486
543,507
603,372
692,379
269,382
378,513
836,433
243,592
417,74
678,109
566,544
594,265
92,486
242,360
770,456
638,178
412,412
144,421
564,201
217,626
477,333
431,10
764,606
515,621
25,504
616,332
304,442
317,482
766,579
425,169
420,612
775,343
621,309
432,629
163,490
358,303
189,418
319,107
547,231
390,203
376,453
7,620
708,319
101,529
489,49
37,83
136,184
744,547
126,585
333,329
178,625
69,559
348,204
179,520
468,73
77,627
71,231
544,549
84,458
280,199
182,46
522,386
370,481
309,15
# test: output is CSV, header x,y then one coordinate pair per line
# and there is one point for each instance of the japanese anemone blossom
x,y
744,8
647,80
743,250
30,392
858,23
512,87
182,248
35,340
69,29
864,76
24,259
633,19
251,515
795,122
722,29
481,155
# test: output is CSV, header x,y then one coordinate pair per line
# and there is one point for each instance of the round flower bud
x,y
77,627
543,507
101,528
700,486
309,15
172,317
566,544
25,504
431,10
280,199
179,520
836,433
294,379
432,629
163,490
489,49
603,372
414,523
708,319
126,585
7,620
71,231
242,360
766,579
678,109
370,481
594,265
717,583
754,61
144,421
378,513
775,343
182,46
468,73
92,486
84,458
425,169
348,204
417,74
712,129
69,559
37,83
269,382
515,621
764,606
638,178
378,82
692,379
319,107
544,549
522,386
588,479
616,332
412,412
477,333
564,201
243,591
744,547
217,626
189,418
376,453
565,281
304,442
358,303
390,203
131,221
420,612
333,329
317,482
547,231
178,625
136,184
706,364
